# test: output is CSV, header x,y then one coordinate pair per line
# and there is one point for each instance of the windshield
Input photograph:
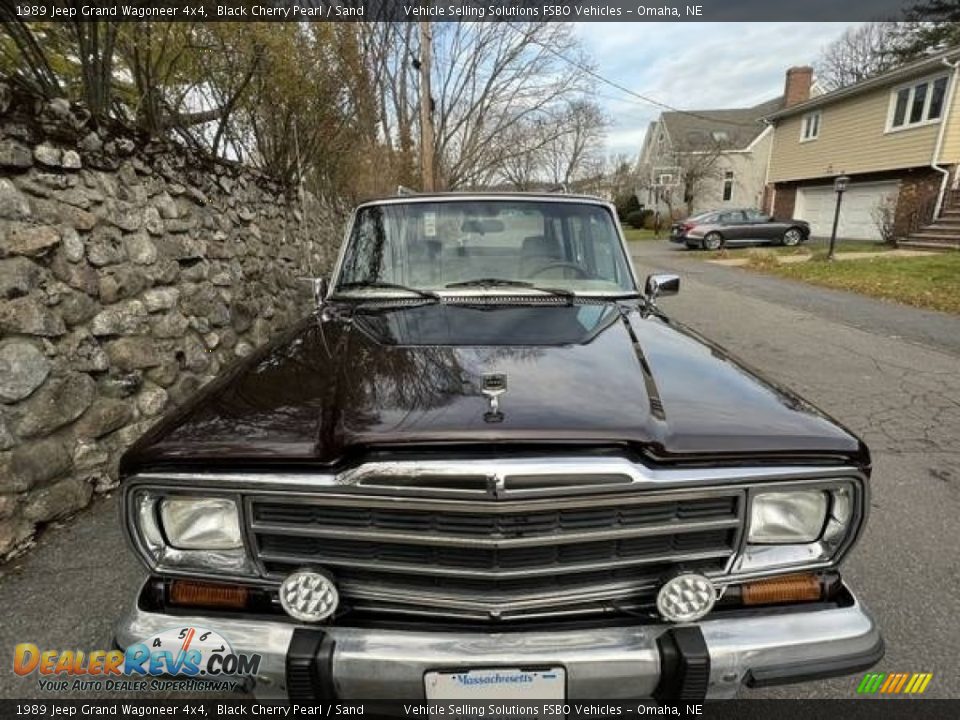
x,y
504,245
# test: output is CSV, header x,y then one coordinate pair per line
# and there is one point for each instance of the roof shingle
x,y
732,129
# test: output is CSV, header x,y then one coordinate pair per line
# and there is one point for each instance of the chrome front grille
x,y
496,557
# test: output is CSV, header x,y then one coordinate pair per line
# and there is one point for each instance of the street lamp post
x,y
839,185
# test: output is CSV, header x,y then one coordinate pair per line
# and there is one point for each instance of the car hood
x,y
349,381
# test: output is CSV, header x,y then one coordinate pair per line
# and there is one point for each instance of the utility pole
x,y
426,110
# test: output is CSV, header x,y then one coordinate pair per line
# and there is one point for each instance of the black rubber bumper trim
x,y
684,665
310,666
815,669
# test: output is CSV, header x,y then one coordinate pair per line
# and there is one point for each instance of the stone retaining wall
x,y
131,273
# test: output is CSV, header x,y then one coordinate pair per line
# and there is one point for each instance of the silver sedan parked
x,y
719,228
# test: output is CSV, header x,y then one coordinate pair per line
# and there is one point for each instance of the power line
x,y
621,88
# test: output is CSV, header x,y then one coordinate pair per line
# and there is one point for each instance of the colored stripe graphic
x,y
865,684
894,683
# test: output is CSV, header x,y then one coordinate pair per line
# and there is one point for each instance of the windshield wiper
x,y
569,295
490,282
389,286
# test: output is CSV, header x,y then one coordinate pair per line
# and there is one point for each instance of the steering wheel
x,y
581,273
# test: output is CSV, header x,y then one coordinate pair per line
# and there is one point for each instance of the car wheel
x,y
792,237
712,241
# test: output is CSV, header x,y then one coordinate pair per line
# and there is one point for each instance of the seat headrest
x,y
541,246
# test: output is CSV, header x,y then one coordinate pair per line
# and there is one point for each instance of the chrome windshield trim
x,y
507,197
487,197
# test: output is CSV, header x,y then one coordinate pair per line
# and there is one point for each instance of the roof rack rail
x,y
561,188
404,190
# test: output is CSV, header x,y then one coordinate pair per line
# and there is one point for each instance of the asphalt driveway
x,y
890,373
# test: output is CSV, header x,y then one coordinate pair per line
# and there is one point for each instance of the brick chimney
x,y
796,89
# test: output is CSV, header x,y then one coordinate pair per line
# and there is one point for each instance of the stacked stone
x,y
131,273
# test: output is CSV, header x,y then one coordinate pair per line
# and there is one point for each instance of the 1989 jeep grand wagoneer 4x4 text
x,y
486,451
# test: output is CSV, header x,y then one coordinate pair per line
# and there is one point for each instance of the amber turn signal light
x,y
792,588
184,592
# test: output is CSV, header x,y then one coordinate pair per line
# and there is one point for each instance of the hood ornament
x,y
493,385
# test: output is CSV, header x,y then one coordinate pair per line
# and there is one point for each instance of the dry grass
x,y
762,259
809,248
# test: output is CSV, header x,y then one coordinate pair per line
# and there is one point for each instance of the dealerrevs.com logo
x,y
186,658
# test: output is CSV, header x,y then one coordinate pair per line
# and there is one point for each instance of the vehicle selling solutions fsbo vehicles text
x,y
546,12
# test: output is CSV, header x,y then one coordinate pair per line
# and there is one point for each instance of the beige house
x,y
706,159
896,136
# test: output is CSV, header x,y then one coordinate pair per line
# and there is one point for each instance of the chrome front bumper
x,y
613,662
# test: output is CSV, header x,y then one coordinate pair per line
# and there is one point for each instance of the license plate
x,y
497,684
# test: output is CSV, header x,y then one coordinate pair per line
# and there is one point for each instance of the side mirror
x,y
660,285
319,287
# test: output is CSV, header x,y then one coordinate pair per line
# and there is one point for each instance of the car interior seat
x,y
538,251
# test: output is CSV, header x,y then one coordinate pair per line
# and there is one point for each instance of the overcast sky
x,y
694,66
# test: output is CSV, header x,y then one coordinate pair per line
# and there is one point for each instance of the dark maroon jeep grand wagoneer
x,y
489,454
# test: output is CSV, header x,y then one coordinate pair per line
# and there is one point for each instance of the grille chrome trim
x,y
529,512
568,538
572,569
373,599
628,538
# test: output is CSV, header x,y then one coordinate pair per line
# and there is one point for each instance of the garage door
x,y
816,206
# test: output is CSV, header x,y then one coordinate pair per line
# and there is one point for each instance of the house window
x,y
810,129
728,185
917,104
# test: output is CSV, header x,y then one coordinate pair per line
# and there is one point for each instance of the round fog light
x,y
686,598
309,596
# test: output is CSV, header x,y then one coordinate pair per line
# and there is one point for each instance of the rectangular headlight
x,y
787,517
176,532
192,523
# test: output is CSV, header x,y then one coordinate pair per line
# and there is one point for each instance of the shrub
x,y
625,205
638,218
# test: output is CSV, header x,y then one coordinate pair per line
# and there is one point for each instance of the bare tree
x,y
884,216
330,105
575,151
491,77
523,169
698,170
619,177
860,53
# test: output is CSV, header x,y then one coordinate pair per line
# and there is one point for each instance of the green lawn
x,y
931,282
634,234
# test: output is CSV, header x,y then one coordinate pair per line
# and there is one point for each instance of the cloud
x,y
694,66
